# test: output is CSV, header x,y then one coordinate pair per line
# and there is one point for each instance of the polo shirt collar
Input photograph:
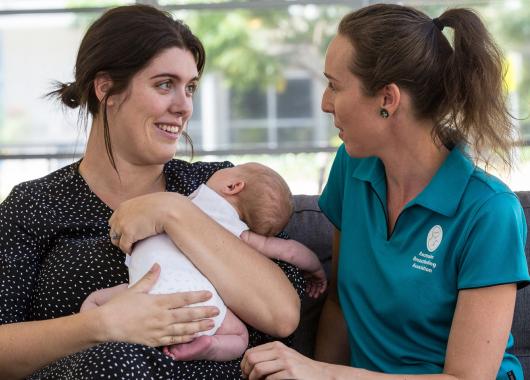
x,y
446,188
442,194
372,170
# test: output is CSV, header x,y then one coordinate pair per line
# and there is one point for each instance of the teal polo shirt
x,y
398,293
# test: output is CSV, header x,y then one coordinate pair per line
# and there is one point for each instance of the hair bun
x,y
69,94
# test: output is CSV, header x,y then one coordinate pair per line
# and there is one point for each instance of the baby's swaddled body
x,y
177,272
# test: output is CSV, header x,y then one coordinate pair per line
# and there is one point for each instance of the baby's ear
x,y
234,187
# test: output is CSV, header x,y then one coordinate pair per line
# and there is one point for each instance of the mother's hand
x,y
132,315
277,361
140,217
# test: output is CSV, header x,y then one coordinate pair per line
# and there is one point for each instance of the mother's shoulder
x,y
184,176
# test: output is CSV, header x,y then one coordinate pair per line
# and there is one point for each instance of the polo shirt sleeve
x,y
330,201
494,249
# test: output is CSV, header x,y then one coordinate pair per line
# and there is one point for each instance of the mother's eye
x,y
191,88
165,85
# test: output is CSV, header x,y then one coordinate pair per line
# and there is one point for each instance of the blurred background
x,y
259,99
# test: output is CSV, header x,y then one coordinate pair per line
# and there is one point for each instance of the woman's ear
x,y
233,187
102,86
390,98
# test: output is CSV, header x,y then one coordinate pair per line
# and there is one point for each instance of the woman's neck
x,y
412,162
116,186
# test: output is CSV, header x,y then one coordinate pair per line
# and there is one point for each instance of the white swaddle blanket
x,y
177,272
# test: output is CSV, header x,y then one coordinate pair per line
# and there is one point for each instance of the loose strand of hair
x,y
106,136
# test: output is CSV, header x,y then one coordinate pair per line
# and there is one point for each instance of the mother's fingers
x,y
125,243
180,299
176,339
187,314
185,332
148,280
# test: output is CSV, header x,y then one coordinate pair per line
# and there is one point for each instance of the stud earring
x,y
384,113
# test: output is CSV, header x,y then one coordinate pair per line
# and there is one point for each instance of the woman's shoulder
x,y
198,166
485,188
184,176
55,180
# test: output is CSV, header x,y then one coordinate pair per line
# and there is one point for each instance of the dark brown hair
x,y
121,43
459,87
266,201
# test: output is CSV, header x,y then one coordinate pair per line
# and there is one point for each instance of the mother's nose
x,y
182,104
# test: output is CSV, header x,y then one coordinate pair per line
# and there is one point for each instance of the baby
x,y
252,193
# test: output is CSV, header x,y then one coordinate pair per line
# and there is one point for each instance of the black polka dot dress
x,y
55,250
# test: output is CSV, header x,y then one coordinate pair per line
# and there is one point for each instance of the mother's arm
x,y
132,316
252,286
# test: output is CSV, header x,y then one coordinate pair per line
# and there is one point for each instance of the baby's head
x,y
260,195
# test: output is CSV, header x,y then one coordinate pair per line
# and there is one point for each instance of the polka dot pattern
x,y
55,251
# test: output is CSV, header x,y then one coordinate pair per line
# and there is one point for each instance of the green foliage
x,y
236,46
252,48
511,28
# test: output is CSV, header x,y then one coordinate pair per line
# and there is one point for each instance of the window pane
x,y
248,104
243,136
293,136
296,100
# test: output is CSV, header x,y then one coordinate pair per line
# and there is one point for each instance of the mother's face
x,y
146,121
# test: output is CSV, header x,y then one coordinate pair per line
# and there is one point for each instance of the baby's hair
x,y
266,201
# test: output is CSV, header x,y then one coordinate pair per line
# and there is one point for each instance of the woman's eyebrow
x,y
329,76
176,77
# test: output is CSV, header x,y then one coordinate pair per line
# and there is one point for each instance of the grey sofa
x,y
309,226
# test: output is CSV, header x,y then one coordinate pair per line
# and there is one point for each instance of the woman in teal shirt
x,y
428,249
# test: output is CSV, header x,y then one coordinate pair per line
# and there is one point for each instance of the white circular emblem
x,y
434,238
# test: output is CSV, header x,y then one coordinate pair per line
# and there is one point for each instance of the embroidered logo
x,y
425,261
434,238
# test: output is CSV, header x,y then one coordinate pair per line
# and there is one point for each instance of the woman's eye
x,y
330,86
165,85
191,88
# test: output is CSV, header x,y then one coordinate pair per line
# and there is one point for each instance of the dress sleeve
x,y
494,249
20,255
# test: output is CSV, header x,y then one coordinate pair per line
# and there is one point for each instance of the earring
x,y
384,113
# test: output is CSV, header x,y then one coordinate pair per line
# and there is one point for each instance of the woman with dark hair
x,y
429,249
135,75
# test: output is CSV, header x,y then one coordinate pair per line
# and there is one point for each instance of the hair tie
x,y
436,21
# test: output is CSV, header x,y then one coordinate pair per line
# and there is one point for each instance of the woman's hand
x,y
276,361
139,218
101,296
132,315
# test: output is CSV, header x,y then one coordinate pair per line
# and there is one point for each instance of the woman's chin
x,y
355,151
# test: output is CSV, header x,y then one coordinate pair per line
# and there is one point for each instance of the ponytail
x,y
474,94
